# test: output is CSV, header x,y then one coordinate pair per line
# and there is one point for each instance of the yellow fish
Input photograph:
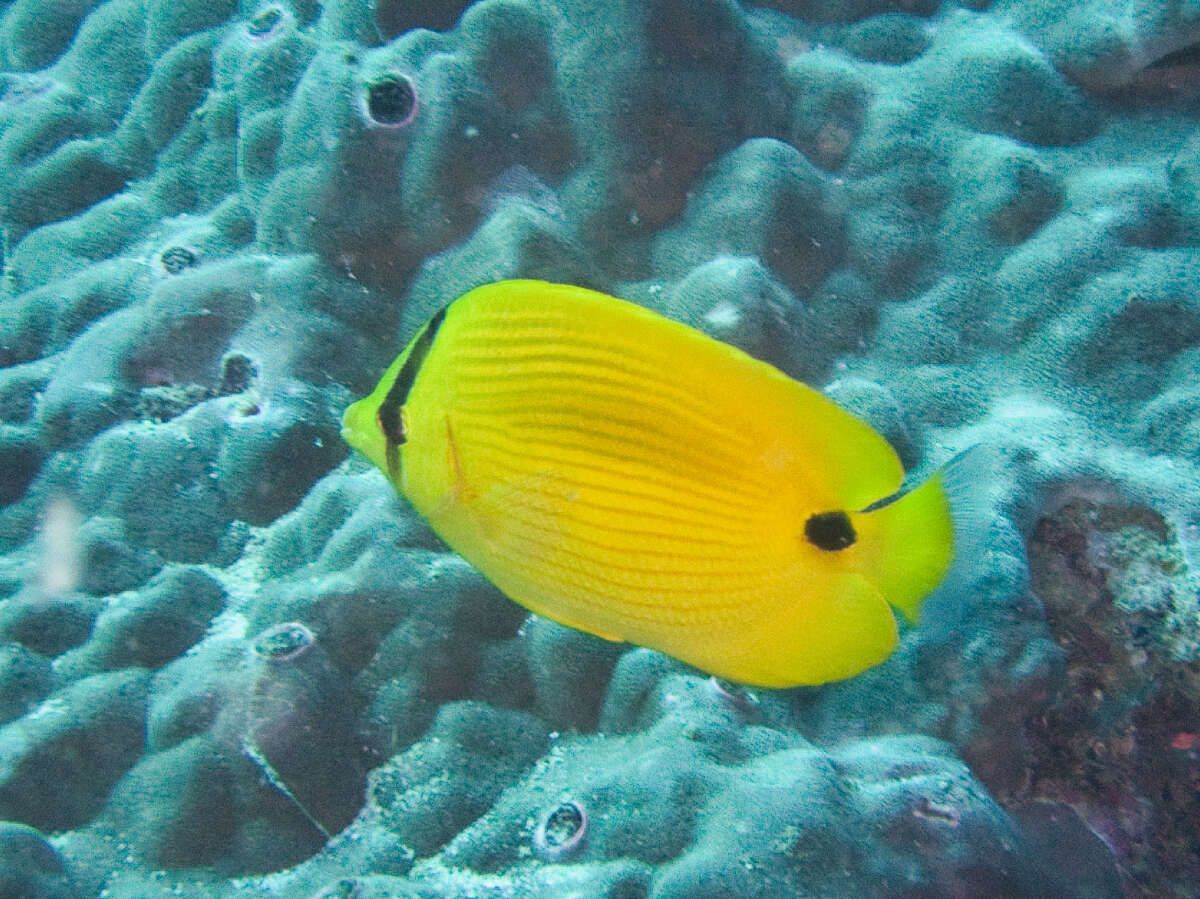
x,y
626,475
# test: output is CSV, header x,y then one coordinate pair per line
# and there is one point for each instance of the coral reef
x,y
233,662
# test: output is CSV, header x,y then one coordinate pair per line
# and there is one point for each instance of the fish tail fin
x,y
915,545
931,526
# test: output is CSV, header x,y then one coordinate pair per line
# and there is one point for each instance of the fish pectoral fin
x,y
522,515
527,518
459,491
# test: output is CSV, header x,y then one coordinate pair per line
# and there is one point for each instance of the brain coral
x,y
232,662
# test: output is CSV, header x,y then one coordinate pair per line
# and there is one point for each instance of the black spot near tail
x,y
830,531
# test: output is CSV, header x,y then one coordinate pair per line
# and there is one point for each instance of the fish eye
x,y
830,531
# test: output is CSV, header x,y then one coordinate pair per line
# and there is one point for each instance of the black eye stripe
x,y
830,531
390,419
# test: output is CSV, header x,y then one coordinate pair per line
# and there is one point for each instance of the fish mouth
x,y
353,426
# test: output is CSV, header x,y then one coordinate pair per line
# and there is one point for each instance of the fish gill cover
x,y
232,662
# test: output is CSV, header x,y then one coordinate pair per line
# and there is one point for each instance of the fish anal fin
x,y
827,630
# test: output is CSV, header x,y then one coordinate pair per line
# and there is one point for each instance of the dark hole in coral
x,y
265,21
391,100
176,259
561,832
237,371
284,642
734,696
562,824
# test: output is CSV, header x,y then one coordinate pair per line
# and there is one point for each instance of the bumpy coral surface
x,y
233,662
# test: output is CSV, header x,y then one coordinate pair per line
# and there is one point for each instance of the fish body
x,y
629,476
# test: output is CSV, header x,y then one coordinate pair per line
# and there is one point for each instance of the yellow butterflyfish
x,y
629,476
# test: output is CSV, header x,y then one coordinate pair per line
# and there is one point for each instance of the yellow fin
x,y
831,629
479,521
914,544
